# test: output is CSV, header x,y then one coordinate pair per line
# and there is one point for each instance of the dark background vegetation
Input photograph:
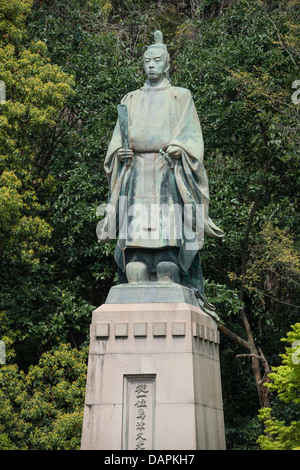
x,y
239,58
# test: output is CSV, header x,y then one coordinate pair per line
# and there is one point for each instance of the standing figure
x,y
162,183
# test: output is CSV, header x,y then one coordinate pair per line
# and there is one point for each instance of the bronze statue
x,y
160,175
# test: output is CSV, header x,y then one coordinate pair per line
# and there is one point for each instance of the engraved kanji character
x,y
141,414
140,425
141,403
141,390
140,441
140,445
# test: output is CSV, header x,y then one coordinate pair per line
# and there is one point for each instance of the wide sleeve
x,y
187,133
190,173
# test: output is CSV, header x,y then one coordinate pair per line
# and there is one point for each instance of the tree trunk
x,y
250,344
256,357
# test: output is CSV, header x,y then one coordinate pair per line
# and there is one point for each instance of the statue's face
x,y
155,64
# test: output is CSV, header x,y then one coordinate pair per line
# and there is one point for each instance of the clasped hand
x,y
174,151
127,154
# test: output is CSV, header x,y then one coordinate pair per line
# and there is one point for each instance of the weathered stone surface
x,y
151,292
172,350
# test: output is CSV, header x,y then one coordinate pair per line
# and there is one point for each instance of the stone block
x,y
178,328
160,328
102,330
140,329
121,329
153,379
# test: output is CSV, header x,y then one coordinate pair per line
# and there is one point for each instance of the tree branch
x,y
234,336
249,355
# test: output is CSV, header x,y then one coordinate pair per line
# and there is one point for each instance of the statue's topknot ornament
x,y
158,40
159,44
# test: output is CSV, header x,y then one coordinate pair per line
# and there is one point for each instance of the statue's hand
x,y
125,154
174,151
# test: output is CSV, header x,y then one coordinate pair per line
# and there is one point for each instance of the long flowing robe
x,y
159,117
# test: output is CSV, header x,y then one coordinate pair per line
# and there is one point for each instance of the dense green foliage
x,y
66,65
285,381
43,409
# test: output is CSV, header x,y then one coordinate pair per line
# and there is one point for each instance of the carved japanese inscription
x,y
139,412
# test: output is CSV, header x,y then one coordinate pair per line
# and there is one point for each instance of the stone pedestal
x,y
153,373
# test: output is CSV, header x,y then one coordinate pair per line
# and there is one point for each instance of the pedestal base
x,y
153,379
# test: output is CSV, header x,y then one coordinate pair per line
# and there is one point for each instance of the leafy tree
x,y
36,91
240,67
30,118
285,381
43,409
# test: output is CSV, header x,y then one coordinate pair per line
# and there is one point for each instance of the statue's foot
x,y
137,272
167,272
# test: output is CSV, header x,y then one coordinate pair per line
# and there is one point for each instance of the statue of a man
x,y
163,180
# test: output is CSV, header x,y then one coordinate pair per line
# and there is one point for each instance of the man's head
x,y
157,60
